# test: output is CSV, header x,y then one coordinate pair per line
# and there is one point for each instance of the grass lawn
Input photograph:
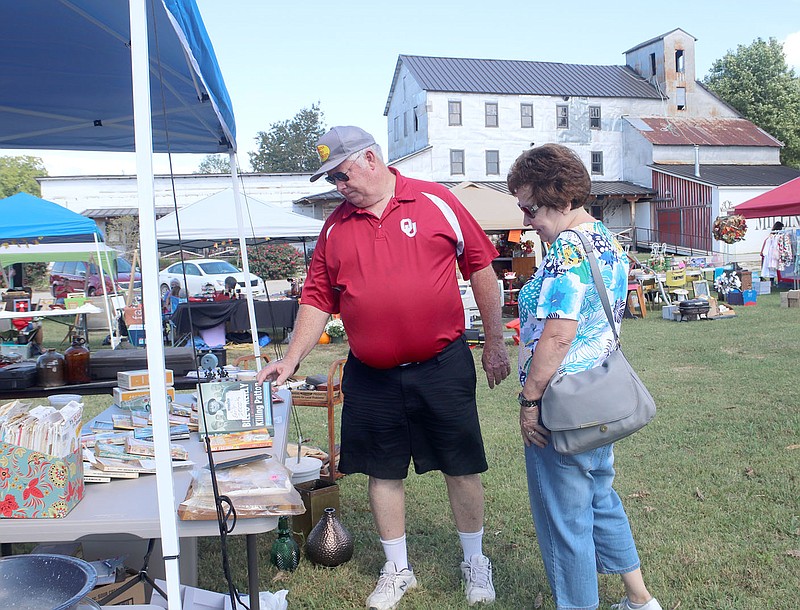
x,y
712,486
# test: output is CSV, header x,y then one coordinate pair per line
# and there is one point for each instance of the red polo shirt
x,y
393,278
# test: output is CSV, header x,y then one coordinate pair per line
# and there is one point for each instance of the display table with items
x,y
114,513
278,313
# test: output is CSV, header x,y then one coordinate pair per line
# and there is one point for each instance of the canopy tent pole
x,y
143,138
106,298
251,311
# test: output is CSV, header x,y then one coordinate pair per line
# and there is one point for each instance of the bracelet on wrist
x,y
528,404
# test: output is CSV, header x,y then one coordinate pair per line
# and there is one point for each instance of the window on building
x,y
597,212
652,64
491,114
454,113
594,117
416,119
679,63
562,116
492,162
457,162
597,162
406,121
526,115
396,124
680,98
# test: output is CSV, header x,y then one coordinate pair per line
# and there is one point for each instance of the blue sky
x,y
278,57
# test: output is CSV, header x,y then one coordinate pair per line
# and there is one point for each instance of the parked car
x,y
207,272
68,277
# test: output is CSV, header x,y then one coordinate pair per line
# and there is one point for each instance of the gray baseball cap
x,y
338,144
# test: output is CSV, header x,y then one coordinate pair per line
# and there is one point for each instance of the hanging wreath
x,y
729,229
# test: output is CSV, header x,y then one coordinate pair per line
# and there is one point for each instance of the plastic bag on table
x,y
257,489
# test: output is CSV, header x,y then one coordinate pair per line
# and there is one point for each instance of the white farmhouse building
x,y
455,119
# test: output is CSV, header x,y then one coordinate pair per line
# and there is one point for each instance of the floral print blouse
x,y
563,287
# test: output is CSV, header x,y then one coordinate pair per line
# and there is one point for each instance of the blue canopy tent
x,y
78,75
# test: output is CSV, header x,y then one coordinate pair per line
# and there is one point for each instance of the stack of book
x,y
133,389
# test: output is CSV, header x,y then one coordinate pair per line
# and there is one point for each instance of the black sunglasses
x,y
340,176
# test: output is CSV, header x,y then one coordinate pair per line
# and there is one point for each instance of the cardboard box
x,y
747,279
317,496
136,399
191,597
140,379
132,596
792,298
55,484
764,287
713,308
668,312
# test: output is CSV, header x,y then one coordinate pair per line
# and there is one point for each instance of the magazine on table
x,y
236,414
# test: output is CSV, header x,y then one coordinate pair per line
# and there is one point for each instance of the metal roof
x,y
705,132
652,40
732,175
116,212
618,188
518,77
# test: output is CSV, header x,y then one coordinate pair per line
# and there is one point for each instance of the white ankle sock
x,y
471,543
396,551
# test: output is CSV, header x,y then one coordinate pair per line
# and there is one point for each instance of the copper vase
x,y
329,543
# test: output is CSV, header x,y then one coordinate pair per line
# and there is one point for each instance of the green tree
x,y
123,233
290,146
274,261
756,81
18,175
214,164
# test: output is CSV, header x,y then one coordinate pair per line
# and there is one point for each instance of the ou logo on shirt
x,y
408,227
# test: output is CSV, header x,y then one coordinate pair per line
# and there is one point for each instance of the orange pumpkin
x,y
324,339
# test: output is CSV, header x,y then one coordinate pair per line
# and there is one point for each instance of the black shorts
x,y
425,411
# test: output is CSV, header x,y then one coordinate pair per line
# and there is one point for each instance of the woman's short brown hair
x,y
555,174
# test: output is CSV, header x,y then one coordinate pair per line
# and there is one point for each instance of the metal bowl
x,y
44,582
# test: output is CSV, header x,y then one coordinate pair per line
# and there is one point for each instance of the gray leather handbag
x,y
592,408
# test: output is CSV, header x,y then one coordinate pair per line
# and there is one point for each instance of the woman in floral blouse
x,y
580,523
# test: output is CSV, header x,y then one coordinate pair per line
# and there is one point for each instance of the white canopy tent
x,y
213,219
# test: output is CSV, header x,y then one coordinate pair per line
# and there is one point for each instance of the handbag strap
x,y
598,280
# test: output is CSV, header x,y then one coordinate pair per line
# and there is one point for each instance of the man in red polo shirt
x,y
386,261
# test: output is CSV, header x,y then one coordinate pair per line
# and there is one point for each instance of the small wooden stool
x,y
636,287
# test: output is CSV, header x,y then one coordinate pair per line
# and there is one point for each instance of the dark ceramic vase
x,y
329,543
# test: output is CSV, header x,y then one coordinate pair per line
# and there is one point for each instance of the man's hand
x,y
277,371
495,361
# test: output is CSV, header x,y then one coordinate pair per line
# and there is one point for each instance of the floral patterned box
x,y
34,485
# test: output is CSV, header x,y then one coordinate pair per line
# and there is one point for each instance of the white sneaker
x,y
477,573
392,585
624,605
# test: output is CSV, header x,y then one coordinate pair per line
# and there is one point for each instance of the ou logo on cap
x,y
408,227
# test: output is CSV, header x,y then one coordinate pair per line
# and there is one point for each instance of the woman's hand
x,y
533,433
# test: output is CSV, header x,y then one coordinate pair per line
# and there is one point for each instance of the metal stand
x,y
142,576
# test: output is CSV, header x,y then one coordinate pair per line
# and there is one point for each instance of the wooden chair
x,y
634,287
243,361
328,398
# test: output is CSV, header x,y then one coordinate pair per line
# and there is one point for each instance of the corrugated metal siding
x,y
734,175
515,77
705,132
691,201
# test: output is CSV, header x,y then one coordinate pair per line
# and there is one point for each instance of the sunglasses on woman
x,y
530,210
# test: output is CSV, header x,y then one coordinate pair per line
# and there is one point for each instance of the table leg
x,y
252,571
